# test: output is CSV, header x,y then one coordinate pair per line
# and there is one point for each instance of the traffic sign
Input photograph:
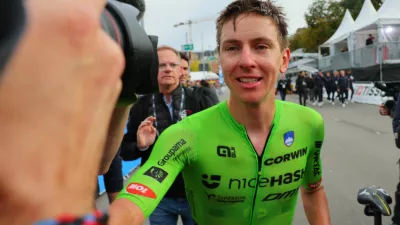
x,y
187,47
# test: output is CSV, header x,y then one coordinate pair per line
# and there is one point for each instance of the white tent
x,y
344,28
385,23
203,75
367,16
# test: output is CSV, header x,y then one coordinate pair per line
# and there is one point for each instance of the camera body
x,y
120,21
392,90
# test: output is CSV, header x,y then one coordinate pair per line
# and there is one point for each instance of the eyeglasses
x,y
163,66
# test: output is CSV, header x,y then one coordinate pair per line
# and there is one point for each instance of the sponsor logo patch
x,y
140,189
157,173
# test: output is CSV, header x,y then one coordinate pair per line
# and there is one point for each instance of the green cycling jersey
x,y
226,181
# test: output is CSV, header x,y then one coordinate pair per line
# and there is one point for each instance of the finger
x,y
144,124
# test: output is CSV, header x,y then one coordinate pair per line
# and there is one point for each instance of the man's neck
x,y
167,90
254,117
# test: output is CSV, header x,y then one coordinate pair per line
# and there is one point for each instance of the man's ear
x,y
285,61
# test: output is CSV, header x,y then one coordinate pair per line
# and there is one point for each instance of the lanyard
x,y
181,107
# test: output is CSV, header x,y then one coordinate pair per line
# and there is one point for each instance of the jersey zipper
x,y
259,170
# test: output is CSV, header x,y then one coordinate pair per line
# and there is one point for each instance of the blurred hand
x,y
56,96
146,134
383,110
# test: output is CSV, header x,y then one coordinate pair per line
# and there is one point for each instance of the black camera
x,y
389,89
120,21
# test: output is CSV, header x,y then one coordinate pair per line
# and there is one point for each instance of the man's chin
x,y
254,100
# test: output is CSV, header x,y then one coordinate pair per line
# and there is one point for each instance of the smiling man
x,y
244,160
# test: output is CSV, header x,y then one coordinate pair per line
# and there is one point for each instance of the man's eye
x,y
262,47
231,48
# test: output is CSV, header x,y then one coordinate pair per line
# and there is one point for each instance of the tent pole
x,y
380,49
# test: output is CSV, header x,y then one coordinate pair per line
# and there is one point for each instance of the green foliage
x,y
323,18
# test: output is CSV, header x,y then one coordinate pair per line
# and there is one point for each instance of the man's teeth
x,y
248,80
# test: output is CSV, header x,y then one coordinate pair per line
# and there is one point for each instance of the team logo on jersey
x,y
212,181
288,138
157,173
140,189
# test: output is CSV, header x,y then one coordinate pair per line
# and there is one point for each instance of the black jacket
x,y
310,82
142,109
301,84
319,81
343,82
331,83
283,85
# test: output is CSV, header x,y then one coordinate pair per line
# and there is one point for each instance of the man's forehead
x,y
250,26
166,53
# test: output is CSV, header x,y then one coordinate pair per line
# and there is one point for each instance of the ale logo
x,y
140,189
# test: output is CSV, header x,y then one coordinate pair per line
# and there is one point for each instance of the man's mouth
x,y
248,80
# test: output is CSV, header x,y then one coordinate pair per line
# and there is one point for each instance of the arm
x,y
113,179
172,151
114,136
313,195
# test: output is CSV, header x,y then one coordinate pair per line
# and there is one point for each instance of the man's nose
x,y
247,58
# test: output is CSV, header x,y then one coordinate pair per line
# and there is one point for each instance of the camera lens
x,y
111,27
119,20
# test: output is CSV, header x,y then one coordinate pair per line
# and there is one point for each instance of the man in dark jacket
x,y
351,87
208,92
343,87
319,82
310,88
171,105
301,87
330,87
283,86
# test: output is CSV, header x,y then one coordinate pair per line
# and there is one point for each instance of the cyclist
x,y
243,160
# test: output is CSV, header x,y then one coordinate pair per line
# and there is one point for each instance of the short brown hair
x,y
166,47
184,56
263,8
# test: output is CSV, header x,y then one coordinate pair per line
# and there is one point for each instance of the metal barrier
x,y
364,57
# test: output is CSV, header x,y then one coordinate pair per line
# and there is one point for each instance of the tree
x,y
323,18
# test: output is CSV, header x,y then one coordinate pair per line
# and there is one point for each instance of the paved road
x,y
358,151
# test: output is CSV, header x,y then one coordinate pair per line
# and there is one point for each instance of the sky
x,y
161,15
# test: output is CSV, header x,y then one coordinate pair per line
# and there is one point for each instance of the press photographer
x,y
62,76
392,108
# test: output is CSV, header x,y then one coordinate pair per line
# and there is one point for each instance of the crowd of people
x,y
312,88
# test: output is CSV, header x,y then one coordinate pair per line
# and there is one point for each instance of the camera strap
x,y
179,111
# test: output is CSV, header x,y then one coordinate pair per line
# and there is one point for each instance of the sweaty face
x,y
169,68
251,58
185,70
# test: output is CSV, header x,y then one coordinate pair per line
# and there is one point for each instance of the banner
x,y
364,93
367,93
